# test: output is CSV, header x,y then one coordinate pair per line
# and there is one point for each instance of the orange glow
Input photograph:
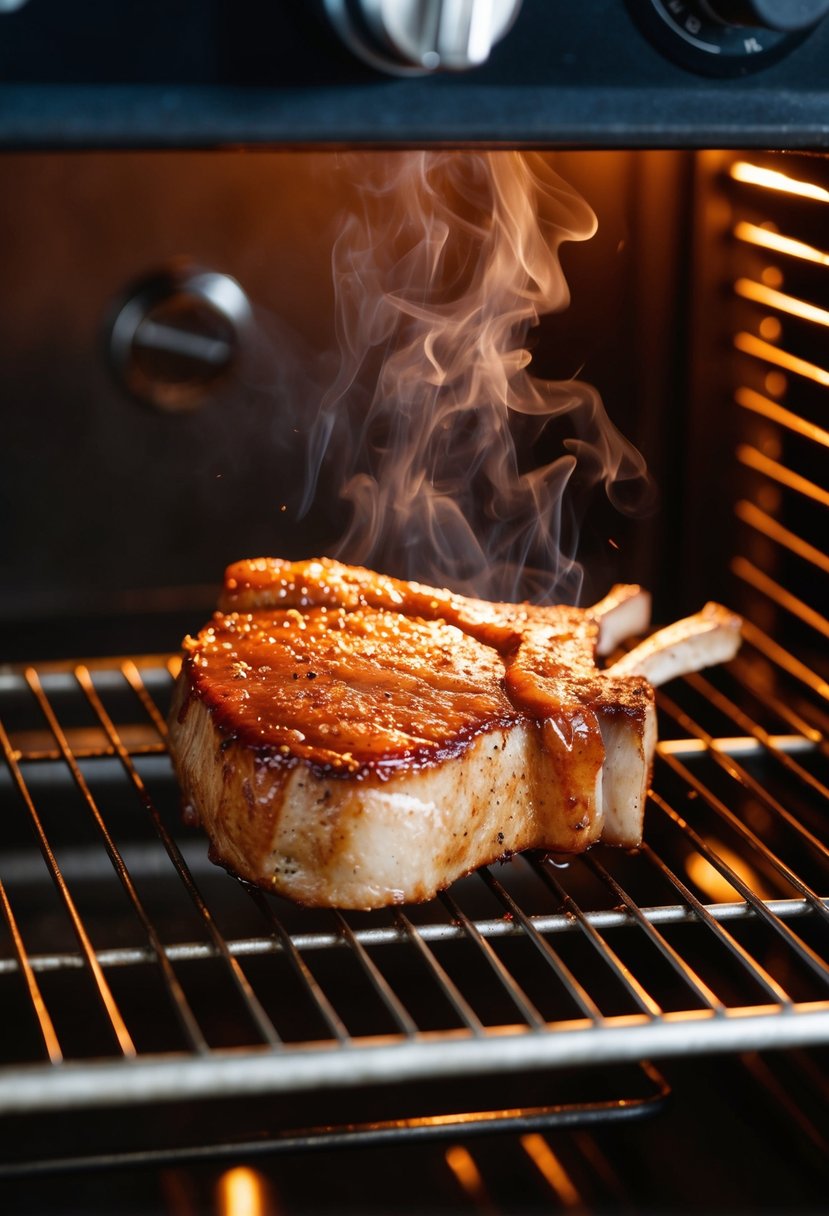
x,y
768,526
243,1192
788,662
753,234
750,290
770,329
753,459
752,345
768,497
551,1169
703,875
775,384
716,886
749,573
47,1028
772,276
758,404
463,1166
772,179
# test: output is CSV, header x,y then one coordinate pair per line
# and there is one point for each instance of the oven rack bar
x,y
261,1071
571,966
373,1133
181,952
248,947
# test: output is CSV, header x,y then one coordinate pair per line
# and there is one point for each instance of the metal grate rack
x,y
133,971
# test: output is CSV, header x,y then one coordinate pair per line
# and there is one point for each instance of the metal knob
x,y
177,335
787,16
411,37
727,37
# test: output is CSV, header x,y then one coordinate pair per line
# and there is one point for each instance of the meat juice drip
x,y
189,815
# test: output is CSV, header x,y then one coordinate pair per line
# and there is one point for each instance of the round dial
x,y
413,37
784,15
727,37
177,334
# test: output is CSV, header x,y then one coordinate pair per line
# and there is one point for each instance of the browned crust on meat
x,y
348,740
351,694
324,842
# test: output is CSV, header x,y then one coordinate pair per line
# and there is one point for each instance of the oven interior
x,y
621,1030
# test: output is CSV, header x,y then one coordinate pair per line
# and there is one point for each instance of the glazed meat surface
x,y
357,692
351,740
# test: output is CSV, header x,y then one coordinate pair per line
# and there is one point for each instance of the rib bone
x,y
709,636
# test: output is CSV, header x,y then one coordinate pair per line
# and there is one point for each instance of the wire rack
x,y
133,971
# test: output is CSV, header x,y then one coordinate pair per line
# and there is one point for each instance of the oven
x,y
623,1030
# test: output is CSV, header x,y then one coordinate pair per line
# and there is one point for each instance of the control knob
x,y
414,37
787,16
177,334
727,37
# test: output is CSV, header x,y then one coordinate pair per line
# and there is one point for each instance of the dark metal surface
x,y
196,490
760,1146
90,74
369,1119
730,38
177,334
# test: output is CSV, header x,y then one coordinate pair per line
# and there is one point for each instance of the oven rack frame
x,y
705,1022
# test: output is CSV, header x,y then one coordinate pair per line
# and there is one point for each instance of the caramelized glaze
x,y
347,691
548,652
354,741
354,673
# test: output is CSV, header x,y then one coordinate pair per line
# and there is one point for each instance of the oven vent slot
x,y
779,209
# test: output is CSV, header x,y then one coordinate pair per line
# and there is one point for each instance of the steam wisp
x,y
439,274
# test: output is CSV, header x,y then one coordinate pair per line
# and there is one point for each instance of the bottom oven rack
x,y
132,971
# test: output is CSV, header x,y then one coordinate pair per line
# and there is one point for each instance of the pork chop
x,y
352,740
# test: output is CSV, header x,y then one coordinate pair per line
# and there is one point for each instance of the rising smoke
x,y
429,422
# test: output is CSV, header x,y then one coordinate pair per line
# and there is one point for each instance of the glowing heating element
x,y
753,459
712,882
761,294
551,1169
768,526
772,179
243,1192
767,238
758,404
751,345
462,1164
